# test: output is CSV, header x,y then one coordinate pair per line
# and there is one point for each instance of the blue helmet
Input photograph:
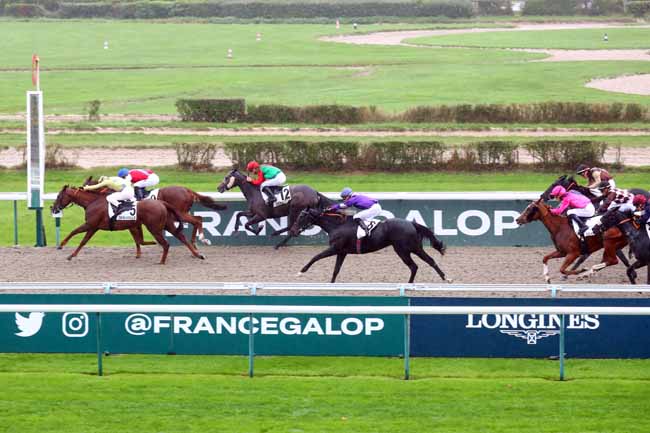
x,y
124,172
347,191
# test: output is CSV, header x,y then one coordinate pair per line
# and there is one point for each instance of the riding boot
x,y
269,195
364,226
139,193
581,223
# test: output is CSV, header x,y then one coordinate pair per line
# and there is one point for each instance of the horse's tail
x,y
323,201
424,231
208,202
177,215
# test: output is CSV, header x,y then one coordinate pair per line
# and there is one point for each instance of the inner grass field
x,y
54,393
15,180
150,65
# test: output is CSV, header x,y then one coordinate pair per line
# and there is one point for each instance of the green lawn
x,y
578,39
320,394
150,65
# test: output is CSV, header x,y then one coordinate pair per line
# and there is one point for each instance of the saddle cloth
x,y
153,194
129,211
591,222
282,195
361,233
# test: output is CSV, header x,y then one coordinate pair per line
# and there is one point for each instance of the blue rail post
x,y
562,348
100,367
57,228
251,347
15,223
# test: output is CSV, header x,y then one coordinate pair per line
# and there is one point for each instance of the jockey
x,y
369,207
580,207
595,176
141,178
267,176
121,186
642,207
615,198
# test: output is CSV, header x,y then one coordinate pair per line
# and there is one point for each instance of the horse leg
x,y
631,273
580,261
567,262
197,224
82,228
158,235
429,261
326,253
138,239
554,255
337,266
89,234
240,214
609,259
283,242
171,228
256,220
408,261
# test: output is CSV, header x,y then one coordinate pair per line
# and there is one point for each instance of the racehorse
x,y
182,199
570,184
156,215
302,197
404,236
567,243
636,236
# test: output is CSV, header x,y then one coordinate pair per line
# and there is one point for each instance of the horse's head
x,y
307,218
63,199
533,212
234,178
562,180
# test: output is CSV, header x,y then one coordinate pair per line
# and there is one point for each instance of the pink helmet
x,y
558,191
639,199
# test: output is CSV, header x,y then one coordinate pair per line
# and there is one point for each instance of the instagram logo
x,y
75,324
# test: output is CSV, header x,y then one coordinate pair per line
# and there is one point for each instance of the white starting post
x,y
36,152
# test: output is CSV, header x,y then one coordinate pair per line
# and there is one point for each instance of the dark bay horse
x,y
404,236
636,236
156,215
302,197
570,184
182,199
567,243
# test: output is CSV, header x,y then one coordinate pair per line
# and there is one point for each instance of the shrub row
x,y
416,155
234,110
573,7
638,8
161,9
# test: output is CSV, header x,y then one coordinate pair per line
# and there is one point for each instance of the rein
x,y
632,220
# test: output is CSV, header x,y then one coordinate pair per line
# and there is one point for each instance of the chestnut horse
x,y
154,214
182,199
567,243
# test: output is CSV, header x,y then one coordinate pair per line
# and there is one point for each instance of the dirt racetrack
x,y
466,265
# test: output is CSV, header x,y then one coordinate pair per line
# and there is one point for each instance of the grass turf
x,y
320,394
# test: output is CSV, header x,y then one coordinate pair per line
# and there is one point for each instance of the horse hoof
x,y
201,256
300,274
70,257
206,241
564,277
449,280
59,247
548,280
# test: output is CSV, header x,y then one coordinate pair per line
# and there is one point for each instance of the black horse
x,y
637,237
570,184
302,197
404,236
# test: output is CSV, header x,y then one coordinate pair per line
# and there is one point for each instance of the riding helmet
x,y
124,172
252,165
582,168
558,191
346,192
604,185
639,199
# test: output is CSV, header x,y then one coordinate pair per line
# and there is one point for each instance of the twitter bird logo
x,y
30,325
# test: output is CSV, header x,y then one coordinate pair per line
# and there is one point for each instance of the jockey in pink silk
x,y
579,206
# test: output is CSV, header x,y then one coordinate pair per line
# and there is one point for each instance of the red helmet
x,y
639,199
252,165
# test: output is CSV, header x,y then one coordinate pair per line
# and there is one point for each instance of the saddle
x,y
282,195
125,211
591,223
361,233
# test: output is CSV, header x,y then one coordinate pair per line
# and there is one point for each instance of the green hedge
x,y
547,112
638,8
252,10
415,155
212,110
